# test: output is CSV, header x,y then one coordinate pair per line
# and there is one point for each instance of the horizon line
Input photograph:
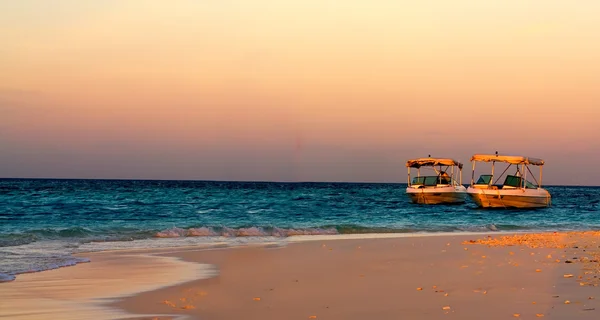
x,y
254,181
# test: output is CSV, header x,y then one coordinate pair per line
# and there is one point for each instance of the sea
x,y
43,222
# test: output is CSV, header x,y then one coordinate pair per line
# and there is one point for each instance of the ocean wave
x,y
17,239
257,231
488,227
242,232
50,233
85,235
79,234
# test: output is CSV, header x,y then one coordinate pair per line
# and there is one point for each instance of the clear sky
x,y
310,90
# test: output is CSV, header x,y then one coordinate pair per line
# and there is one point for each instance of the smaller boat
x,y
516,191
440,187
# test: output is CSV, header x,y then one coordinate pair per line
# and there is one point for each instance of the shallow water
x,y
42,222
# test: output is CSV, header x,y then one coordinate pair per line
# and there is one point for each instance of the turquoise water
x,y
42,222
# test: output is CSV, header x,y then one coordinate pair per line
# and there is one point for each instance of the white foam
x,y
201,232
242,232
199,242
300,238
6,277
83,292
207,242
37,257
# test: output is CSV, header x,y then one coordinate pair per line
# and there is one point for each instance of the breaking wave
x,y
324,230
243,232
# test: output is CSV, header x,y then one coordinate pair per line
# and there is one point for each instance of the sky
x,y
310,90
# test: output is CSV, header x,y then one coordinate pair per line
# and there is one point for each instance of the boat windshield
x,y
530,185
418,181
425,181
484,179
430,180
517,182
513,181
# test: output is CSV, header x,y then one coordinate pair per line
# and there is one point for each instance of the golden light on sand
x,y
533,240
556,240
584,246
169,303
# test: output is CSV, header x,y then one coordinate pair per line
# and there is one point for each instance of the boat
x,y
515,191
440,187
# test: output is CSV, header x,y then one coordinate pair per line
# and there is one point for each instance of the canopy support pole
x,y
533,176
492,179
524,175
473,175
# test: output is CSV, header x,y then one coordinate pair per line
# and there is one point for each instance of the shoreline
x,y
169,243
84,291
304,281
147,299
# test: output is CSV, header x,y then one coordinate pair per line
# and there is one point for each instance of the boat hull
x,y
443,195
515,198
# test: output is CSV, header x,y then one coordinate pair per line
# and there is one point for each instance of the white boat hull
x,y
510,198
437,195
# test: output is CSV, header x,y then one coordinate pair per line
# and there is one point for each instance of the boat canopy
x,y
431,162
507,159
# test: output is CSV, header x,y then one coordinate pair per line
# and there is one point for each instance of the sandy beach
x,y
299,160
550,276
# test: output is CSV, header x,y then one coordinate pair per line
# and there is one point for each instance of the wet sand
x,y
405,278
440,277
83,291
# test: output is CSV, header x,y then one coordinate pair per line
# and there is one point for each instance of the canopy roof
x,y
430,162
507,159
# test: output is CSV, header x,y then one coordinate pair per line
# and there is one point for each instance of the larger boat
x,y
438,187
515,191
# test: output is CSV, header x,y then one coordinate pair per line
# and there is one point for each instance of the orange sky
x,y
306,90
